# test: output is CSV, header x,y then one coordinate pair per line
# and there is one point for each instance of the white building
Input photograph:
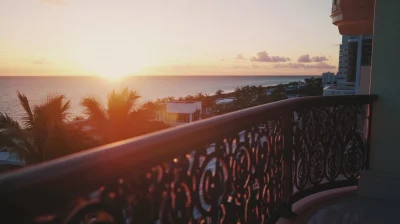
x,y
354,66
224,102
328,78
336,91
179,112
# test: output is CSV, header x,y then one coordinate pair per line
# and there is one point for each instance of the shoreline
x,y
150,90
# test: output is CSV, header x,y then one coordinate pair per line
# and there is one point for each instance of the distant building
x,y
179,112
328,78
355,62
354,67
343,59
224,103
337,91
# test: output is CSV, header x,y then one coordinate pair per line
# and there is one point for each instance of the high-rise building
x,y
328,78
343,60
354,60
354,65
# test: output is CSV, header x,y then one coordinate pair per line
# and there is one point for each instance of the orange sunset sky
x,y
160,37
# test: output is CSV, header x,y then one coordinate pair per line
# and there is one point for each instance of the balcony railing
x,y
335,8
248,166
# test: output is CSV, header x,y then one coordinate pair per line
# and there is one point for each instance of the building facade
x,y
354,66
179,112
328,78
338,91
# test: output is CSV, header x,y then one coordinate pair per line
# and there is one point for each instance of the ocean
x,y
149,88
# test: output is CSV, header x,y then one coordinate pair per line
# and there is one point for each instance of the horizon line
x,y
55,76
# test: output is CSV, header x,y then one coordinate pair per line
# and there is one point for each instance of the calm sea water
x,y
150,88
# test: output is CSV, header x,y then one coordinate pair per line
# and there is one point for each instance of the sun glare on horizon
x,y
112,64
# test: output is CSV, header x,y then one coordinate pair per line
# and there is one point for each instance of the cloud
x,y
41,62
307,59
240,57
55,2
264,57
320,65
319,58
304,59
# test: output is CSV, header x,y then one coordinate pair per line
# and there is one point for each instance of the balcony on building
x,y
247,166
324,159
353,17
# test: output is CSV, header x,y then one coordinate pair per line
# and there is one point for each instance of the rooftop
x,y
183,107
224,101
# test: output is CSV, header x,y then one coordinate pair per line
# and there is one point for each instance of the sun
x,y
111,64
112,68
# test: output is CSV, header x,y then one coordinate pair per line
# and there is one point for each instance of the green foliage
x,y
313,87
219,93
122,118
293,83
45,134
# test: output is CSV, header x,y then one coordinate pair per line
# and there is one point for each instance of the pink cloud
x,y
240,57
319,58
264,57
304,59
307,59
320,65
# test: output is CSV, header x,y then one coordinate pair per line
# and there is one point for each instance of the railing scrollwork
x,y
245,167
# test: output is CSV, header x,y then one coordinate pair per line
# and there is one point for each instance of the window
x,y
177,117
366,53
352,62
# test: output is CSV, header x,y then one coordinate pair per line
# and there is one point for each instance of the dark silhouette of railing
x,y
248,166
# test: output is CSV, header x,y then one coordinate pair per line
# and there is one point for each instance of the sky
x,y
167,37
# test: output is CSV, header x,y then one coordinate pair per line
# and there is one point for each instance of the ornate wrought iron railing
x,y
249,166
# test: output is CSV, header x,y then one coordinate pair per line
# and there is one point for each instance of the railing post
x,y
368,137
286,211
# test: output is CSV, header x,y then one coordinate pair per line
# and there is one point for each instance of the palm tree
x,y
45,133
117,121
219,92
189,98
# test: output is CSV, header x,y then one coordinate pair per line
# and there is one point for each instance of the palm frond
x,y
14,139
133,95
21,153
7,122
65,109
120,104
52,109
11,129
29,120
94,109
